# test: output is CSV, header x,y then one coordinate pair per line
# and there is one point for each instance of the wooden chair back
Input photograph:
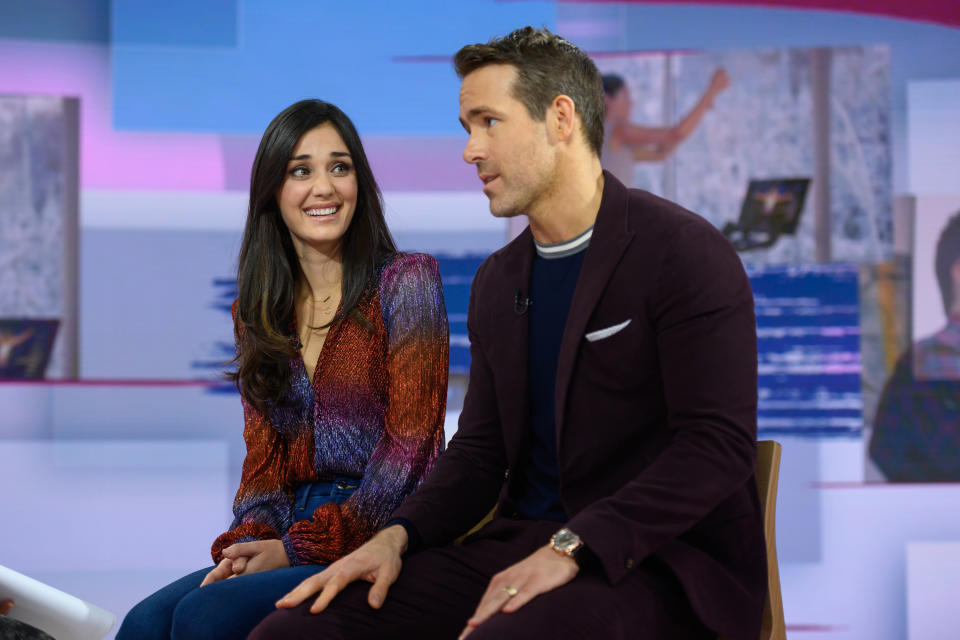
x,y
768,475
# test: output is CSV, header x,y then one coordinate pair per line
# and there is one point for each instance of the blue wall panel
x,y
365,57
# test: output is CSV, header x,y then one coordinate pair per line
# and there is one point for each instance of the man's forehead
x,y
492,77
490,82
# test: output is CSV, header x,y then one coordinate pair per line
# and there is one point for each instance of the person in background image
x,y
916,432
626,143
11,629
342,364
611,412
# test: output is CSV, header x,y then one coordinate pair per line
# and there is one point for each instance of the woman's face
x,y
319,193
619,105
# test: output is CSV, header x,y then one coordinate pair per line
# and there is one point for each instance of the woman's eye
x,y
299,172
341,168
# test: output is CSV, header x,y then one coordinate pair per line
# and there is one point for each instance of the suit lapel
x,y
514,329
611,236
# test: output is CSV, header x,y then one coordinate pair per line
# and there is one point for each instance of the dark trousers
x,y
438,590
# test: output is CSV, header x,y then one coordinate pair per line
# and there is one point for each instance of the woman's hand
x,y
261,555
5,607
248,557
220,572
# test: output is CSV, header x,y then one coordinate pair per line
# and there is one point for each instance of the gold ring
x,y
510,591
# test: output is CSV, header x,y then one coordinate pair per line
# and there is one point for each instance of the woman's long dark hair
x,y
269,271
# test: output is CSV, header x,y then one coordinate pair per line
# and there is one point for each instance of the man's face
x,y
514,157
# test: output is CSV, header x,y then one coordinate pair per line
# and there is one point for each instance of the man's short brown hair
x,y
547,66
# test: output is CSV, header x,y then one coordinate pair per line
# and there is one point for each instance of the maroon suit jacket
x,y
656,422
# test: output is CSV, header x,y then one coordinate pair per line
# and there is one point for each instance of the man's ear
x,y
562,118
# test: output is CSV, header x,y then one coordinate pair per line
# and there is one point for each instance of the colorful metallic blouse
x,y
375,410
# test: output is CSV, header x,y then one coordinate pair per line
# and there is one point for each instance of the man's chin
x,y
502,210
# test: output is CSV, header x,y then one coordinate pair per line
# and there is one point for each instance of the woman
x,y
626,143
342,347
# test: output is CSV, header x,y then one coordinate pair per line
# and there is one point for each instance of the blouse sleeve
x,y
262,508
415,318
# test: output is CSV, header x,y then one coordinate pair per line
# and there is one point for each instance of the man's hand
x,y
542,571
248,557
377,561
5,607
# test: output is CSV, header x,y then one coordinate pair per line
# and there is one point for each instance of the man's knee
x,y
291,624
273,626
566,624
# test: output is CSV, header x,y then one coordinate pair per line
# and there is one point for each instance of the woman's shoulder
x,y
408,267
409,278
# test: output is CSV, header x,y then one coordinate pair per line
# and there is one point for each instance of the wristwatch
x,y
566,542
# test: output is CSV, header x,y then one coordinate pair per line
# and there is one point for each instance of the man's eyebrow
x,y
482,109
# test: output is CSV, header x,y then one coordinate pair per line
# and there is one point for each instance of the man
x,y
916,433
611,405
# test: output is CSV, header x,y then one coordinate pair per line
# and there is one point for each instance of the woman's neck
x,y
322,275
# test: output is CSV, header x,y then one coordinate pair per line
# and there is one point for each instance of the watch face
x,y
565,539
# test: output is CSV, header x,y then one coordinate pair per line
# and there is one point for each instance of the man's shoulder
x,y
937,345
656,216
510,252
937,357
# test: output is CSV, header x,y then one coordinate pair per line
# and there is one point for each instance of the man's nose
x,y
475,151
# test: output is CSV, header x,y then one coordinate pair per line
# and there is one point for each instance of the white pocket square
x,y
600,334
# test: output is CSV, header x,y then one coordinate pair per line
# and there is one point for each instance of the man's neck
x,y
571,206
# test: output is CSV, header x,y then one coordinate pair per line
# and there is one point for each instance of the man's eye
x,y
491,121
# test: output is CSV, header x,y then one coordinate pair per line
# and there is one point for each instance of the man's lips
x,y
487,178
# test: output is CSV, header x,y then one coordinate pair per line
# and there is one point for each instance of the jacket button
x,y
629,563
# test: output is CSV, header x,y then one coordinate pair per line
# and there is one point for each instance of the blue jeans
x,y
227,609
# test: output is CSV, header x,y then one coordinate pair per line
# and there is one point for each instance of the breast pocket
x,y
609,354
606,332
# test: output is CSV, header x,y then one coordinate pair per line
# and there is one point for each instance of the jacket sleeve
x,y
262,508
411,299
703,318
468,476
